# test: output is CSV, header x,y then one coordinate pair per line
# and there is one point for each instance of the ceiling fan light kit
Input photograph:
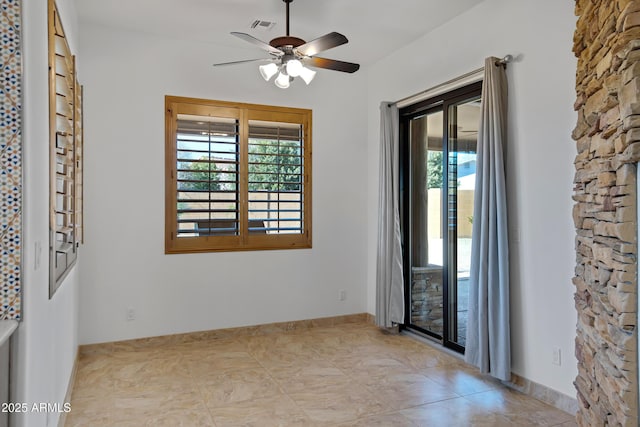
x,y
294,67
268,70
291,56
307,75
283,81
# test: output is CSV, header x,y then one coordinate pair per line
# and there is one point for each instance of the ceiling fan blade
x,y
241,62
332,64
322,43
259,43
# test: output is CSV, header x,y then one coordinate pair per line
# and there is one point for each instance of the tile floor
x,y
347,375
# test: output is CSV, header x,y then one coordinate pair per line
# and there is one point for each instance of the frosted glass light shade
x,y
307,75
282,81
294,67
268,70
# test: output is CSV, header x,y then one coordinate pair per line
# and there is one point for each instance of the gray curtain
x,y
389,276
488,344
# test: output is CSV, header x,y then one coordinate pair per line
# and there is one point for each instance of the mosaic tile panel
x,y
10,160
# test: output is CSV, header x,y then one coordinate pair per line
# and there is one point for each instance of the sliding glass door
x,y
438,158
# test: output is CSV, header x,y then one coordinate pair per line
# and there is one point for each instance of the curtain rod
x,y
501,62
504,61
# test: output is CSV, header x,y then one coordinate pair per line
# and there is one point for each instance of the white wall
x,y
126,76
46,344
540,160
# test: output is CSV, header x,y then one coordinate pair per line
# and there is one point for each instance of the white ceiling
x,y
375,28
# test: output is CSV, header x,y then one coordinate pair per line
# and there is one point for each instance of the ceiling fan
x,y
290,56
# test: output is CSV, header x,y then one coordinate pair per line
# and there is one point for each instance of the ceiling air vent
x,y
259,24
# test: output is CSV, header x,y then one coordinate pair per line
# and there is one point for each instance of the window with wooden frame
x,y
65,140
238,176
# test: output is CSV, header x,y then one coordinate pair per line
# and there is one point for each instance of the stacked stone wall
x,y
427,298
607,135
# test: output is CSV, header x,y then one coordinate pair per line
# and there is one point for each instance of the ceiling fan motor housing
x,y
280,42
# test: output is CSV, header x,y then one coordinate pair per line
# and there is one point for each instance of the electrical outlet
x,y
342,295
557,357
131,314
